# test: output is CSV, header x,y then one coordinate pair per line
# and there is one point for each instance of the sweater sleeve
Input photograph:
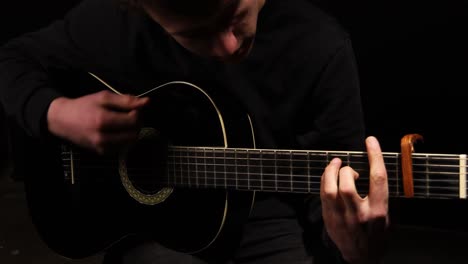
x,y
25,88
28,63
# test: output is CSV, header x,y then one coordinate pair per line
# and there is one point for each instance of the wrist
x,y
54,115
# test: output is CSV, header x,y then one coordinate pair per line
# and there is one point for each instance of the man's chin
x,y
240,55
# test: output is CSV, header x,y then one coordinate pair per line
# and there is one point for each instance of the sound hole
x,y
146,163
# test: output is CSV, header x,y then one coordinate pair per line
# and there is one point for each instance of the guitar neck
x,y
297,171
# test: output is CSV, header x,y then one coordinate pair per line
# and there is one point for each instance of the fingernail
x,y
371,139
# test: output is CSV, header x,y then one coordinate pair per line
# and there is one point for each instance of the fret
x,y
174,175
224,169
308,173
236,166
248,170
181,168
230,169
397,172
242,169
210,169
172,168
269,177
395,182
317,163
219,168
254,164
299,180
189,168
205,168
283,168
427,176
260,157
291,170
177,174
276,171
199,162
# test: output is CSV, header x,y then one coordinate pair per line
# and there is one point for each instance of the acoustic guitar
x,y
190,180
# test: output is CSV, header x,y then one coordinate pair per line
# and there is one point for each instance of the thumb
x,y
124,102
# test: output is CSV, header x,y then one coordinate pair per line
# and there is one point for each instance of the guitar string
x,y
255,184
263,159
180,149
424,187
251,162
252,171
252,168
421,192
362,181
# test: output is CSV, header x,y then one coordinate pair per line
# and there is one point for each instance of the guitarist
x,y
286,63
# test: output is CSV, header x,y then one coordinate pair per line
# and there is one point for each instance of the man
x,y
285,63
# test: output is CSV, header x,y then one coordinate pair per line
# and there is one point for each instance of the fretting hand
x,y
357,225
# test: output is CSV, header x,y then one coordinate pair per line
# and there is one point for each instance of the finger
x,y
114,121
378,185
122,102
329,182
347,188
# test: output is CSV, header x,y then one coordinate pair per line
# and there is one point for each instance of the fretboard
x,y
435,175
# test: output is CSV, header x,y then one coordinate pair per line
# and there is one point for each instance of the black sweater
x,y
300,84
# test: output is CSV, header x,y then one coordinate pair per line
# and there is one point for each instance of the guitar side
x,y
80,207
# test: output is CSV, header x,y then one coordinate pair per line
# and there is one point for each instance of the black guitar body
x,y
80,206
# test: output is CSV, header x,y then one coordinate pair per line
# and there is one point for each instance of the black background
x,y
413,62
